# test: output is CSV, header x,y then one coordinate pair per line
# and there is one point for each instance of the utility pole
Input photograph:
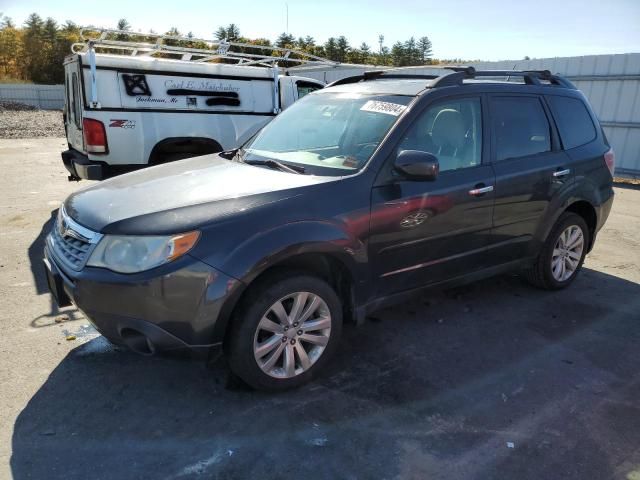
x,y
287,9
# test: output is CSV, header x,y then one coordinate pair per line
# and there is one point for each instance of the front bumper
x,y
181,305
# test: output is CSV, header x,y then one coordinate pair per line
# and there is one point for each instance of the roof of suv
x,y
393,83
384,87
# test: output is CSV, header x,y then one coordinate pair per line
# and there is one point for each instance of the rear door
x,y
73,105
530,170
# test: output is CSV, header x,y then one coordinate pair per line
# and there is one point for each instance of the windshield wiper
x,y
229,154
276,164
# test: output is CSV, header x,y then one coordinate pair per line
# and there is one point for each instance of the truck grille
x,y
70,242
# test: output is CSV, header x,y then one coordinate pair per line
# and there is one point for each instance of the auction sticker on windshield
x,y
389,108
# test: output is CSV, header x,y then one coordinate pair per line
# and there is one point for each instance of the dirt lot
x,y
496,380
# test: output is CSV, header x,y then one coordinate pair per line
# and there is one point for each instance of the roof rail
x,y
530,77
216,50
459,74
377,74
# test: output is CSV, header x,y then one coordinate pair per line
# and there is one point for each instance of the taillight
x,y
95,137
610,160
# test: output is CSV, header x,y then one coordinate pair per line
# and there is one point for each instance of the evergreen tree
x,y
123,24
331,49
425,47
343,48
398,55
221,33
233,33
285,40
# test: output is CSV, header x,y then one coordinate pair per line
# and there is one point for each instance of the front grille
x,y
70,242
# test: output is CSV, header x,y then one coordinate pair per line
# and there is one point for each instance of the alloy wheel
x,y
567,253
292,335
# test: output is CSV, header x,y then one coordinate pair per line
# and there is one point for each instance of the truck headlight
x,y
130,254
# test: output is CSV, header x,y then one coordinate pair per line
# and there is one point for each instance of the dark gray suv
x,y
354,197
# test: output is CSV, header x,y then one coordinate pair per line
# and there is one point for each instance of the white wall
x,y
46,97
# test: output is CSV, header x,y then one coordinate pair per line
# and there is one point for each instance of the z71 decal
x,y
122,123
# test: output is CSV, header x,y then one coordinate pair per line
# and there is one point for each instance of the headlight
x,y
129,254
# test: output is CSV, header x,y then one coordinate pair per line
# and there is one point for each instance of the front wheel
x,y
285,331
562,254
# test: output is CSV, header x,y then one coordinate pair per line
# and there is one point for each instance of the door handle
x,y
476,192
561,173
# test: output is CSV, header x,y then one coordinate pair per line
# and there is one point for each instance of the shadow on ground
x,y
496,380
35,253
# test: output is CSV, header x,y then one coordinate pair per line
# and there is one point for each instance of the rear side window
x,y
76,100
305,88
521,127
573,120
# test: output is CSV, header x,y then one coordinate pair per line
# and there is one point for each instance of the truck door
x,y
73,105
293,89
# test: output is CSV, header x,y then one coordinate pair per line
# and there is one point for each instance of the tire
x,y
543,273
259,356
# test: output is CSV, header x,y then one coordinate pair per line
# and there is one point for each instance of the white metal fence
x,y
610,82
46,97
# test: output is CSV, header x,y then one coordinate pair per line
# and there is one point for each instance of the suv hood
x,y
169,198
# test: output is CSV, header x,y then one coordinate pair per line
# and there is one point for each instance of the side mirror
x,y
417,165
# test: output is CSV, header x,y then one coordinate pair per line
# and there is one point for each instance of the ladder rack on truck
x,y
217,51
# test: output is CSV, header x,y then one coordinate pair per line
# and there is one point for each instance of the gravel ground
x,y
31,124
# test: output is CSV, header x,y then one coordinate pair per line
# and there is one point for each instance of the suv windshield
x,y
328,133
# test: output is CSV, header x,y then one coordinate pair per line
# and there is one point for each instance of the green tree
x,y
398,55
331,49
285,40
31,59
124,25
221,33
343,48
426,49
233,32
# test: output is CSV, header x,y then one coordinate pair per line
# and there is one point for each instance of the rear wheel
x,y
562,254
285,332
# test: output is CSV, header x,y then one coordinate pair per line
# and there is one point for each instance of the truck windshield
x,y
328,133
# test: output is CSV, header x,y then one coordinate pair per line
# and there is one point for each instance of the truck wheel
x,y
562,254
286,329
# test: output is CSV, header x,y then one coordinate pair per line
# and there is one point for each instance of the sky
x,y
468,29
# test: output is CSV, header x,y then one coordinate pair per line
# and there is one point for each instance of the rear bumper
x,y
79,166
176,306
603,211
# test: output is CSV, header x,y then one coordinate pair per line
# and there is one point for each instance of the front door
x,y
530,169
425,232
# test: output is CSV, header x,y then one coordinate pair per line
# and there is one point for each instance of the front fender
x,y
265,249
268,248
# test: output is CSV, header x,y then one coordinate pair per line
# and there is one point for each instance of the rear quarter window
x,y
573,120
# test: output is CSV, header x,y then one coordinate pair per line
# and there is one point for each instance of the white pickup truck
x,y
158,103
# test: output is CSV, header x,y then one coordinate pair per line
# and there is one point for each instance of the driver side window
x,y
451,130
